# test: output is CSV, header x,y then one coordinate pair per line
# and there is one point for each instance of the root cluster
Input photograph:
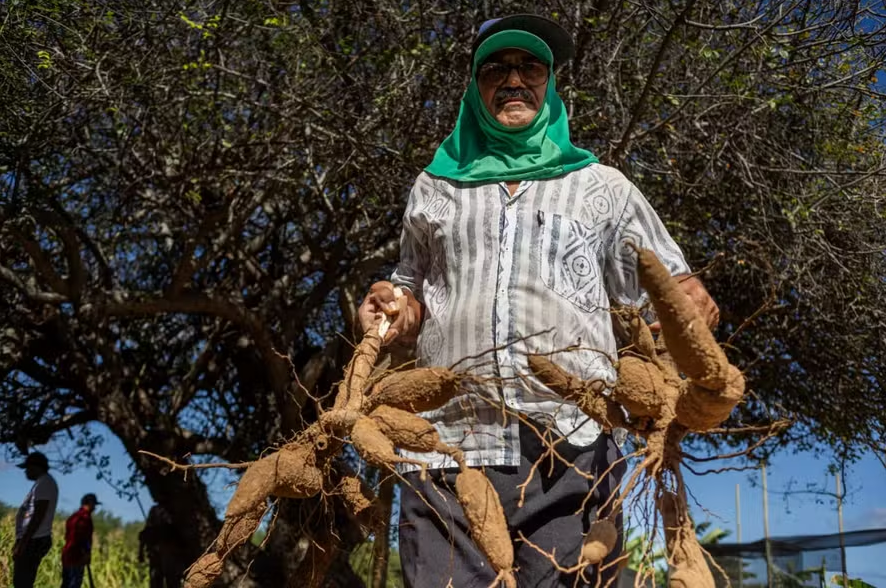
x,y
376,419
680,383
667,387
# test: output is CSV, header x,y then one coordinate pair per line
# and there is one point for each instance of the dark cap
x,y
35,458
89,499
555,36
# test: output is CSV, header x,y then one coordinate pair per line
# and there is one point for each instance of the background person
x,y
77,552
33,521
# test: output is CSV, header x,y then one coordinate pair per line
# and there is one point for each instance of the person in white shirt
x,y
33,521
516,242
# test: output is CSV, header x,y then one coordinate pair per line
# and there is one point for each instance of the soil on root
x,y
416,390
288,472
599,542
685,556
238,530
351,390
700,409
407,430
588,396
204,571
689,339
487,522
640,387
374,446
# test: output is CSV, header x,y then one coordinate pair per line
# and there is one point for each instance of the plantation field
x,y
114,556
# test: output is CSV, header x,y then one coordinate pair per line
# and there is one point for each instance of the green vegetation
x,y
642,558
361,563
837,582
114,552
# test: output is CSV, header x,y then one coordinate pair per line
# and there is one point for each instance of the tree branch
x,y
39,434
41,263
640,106
280,368
726,60
32,293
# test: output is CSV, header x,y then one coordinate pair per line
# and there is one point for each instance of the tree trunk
x,y
182,494
341,574
381,548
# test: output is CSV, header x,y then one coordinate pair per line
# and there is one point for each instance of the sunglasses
x,y
532,73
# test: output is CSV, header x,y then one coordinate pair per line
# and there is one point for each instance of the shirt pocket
x,y
569,260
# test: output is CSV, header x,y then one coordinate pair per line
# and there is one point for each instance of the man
x,y
33,521
514,242
159,539
77,552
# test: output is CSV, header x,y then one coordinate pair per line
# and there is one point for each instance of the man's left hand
x,y
706,306
18,550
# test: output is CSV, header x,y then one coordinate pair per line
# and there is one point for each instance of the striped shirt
x,y
502,276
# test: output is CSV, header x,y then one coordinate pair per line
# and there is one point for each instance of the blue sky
x,y
864,508
801,514
78,481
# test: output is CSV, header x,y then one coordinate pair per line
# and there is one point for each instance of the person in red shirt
x,y
78,543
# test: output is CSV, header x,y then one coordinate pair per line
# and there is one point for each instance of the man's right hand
x,y
406,313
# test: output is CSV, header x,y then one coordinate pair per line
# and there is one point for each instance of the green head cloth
x,y
481,149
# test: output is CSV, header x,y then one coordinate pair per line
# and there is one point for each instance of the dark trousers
x,y
24,572
436,549
72,577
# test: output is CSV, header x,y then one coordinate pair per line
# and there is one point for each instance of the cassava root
x,y
651,399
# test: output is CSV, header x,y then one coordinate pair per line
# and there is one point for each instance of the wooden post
x,y
738,534
770,581
840,524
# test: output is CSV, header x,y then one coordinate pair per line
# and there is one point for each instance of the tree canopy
x,y
194,196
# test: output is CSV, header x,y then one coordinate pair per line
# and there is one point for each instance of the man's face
x,y
512,96
32,472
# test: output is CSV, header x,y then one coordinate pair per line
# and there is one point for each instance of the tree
x,y
194,195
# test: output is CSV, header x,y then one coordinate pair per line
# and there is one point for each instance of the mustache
x,y
508,93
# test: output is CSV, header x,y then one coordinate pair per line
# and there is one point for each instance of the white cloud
x,y
875,518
